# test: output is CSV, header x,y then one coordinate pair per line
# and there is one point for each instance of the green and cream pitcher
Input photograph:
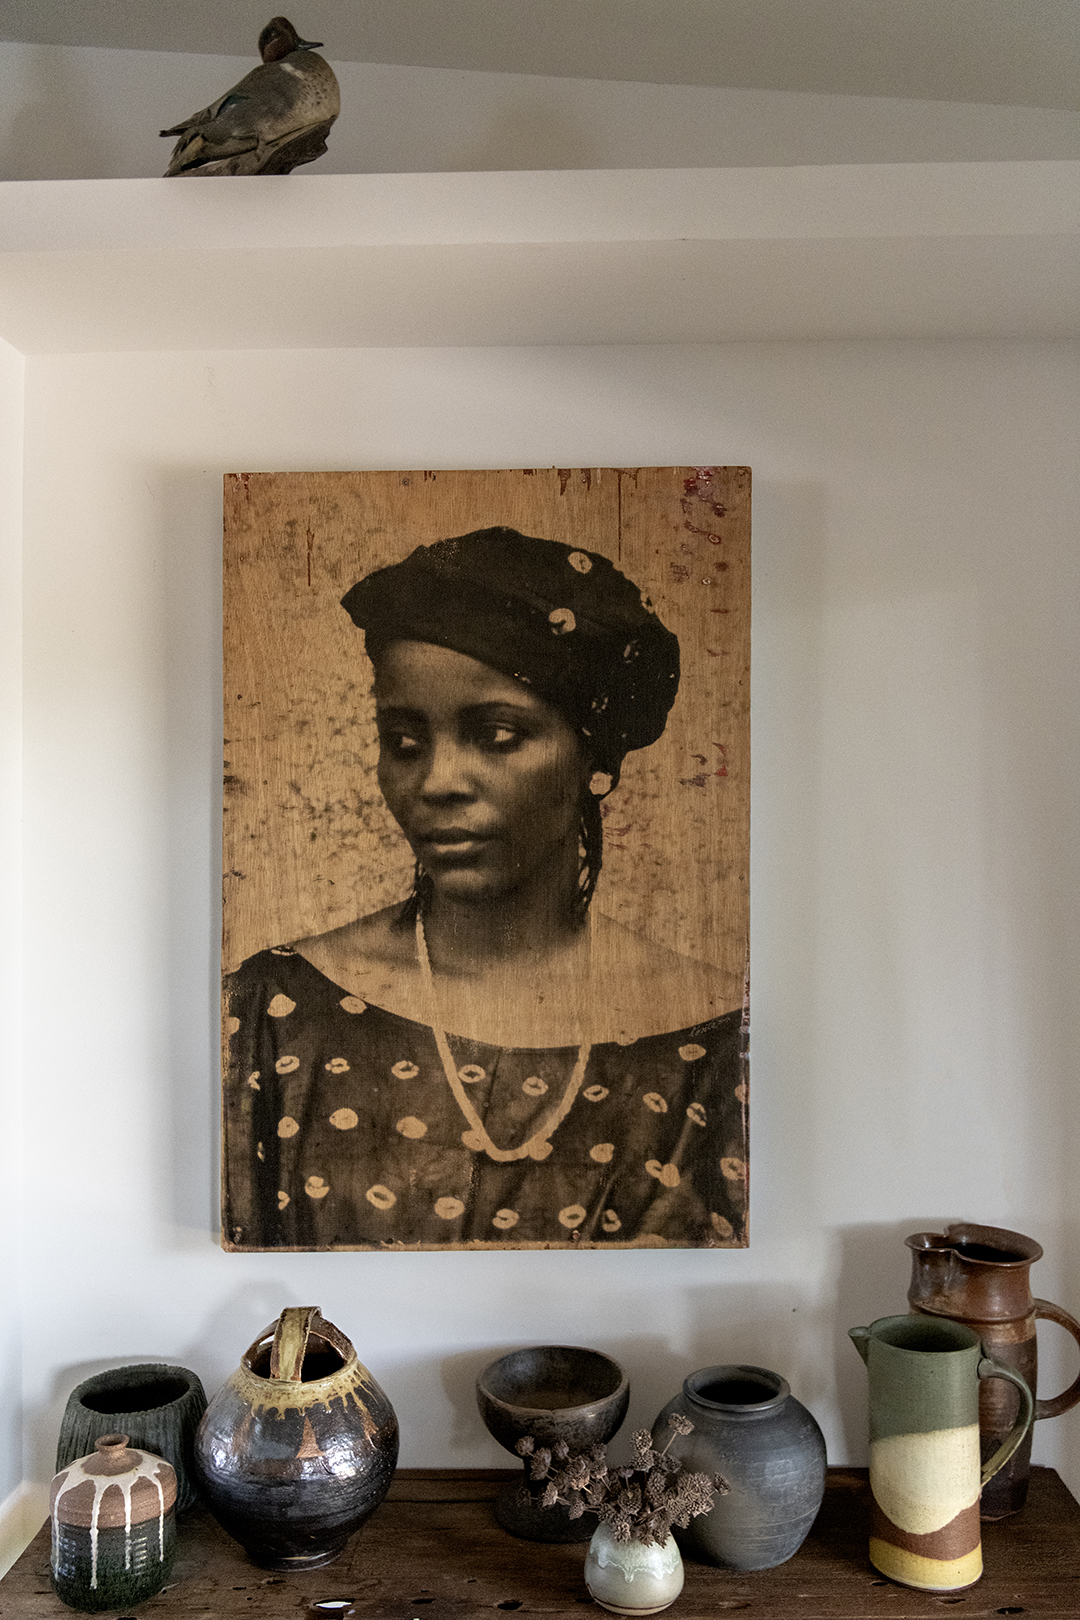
x,y
925,1476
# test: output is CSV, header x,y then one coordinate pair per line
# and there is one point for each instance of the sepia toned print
x,y
485,859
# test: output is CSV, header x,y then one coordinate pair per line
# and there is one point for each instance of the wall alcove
x,y
892,349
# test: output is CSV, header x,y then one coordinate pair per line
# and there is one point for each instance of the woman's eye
x,y
500,738
399,744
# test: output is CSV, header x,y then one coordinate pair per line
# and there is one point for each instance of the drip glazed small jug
x,y
113,1527
925,1477
979,1275
299,1446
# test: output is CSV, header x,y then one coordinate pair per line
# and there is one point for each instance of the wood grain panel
x,y
310,846
308,842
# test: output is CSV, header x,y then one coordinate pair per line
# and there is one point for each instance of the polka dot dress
x,y
342,1132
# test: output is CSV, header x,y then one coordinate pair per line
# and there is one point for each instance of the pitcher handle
x,y
994,1369
1069,1397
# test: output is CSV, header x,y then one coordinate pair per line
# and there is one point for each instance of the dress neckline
x,y
341,993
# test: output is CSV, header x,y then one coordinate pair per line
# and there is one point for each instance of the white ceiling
x,y
1010,52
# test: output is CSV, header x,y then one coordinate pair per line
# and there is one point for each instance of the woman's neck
x,y
528,926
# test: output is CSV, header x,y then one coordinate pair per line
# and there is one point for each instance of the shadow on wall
x,y
234,1325
745,1324
872,1281
530,137
51,123
189,610
741,1324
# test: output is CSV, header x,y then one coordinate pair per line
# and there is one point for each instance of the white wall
x,y
915,926
85,113
12,370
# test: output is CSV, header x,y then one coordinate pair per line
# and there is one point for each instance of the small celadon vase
x,y
629,1577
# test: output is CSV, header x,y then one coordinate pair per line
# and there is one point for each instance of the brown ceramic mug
x,y
979,1275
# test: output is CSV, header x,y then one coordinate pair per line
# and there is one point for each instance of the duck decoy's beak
x,y
309,45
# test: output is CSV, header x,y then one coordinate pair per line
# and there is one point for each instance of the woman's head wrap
x,y
561,620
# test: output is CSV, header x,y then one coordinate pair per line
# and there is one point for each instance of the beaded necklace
x,y
476,1137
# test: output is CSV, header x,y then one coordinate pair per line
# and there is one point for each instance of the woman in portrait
x,y
492,1061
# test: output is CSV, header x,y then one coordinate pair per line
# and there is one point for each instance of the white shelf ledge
x,y
624,256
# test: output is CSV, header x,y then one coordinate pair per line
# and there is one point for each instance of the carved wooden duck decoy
x,y
277,116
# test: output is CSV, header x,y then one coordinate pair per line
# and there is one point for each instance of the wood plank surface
x,y
433,1551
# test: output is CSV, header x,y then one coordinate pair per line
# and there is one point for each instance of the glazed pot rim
x,y
160,1372
913,1326
1015,1250
506,1405
737,1373
347,1365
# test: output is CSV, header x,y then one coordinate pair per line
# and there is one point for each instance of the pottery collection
x,y
113,1526
749,1428
925,1474
299,1446
979,1275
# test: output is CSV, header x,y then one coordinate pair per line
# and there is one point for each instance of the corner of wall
x,y
21,1515
12,380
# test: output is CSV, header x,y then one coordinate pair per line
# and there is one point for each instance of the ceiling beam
x,y
1008,52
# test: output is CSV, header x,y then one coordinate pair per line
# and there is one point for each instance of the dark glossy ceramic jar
x,y
299,1446
750,1428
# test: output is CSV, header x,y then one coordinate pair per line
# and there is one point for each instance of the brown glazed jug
x,y
978,1275
299,1446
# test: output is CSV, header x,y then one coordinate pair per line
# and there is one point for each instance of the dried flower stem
x,y
638,1503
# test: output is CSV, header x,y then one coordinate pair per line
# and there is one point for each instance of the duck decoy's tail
x,y
195,155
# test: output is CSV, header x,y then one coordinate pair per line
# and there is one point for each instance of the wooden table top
x,y
433,1551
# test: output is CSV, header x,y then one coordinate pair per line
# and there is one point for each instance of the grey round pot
x,y
550,1392
750,1428
156,1405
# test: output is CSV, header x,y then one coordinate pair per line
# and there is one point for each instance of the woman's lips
x,y
453,842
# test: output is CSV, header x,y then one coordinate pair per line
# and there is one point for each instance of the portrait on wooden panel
x,y
486,843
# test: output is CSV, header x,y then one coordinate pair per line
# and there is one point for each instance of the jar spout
x,y
113,1456
934,1268
860,1338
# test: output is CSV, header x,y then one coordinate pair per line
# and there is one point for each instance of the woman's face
x,y
484,779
